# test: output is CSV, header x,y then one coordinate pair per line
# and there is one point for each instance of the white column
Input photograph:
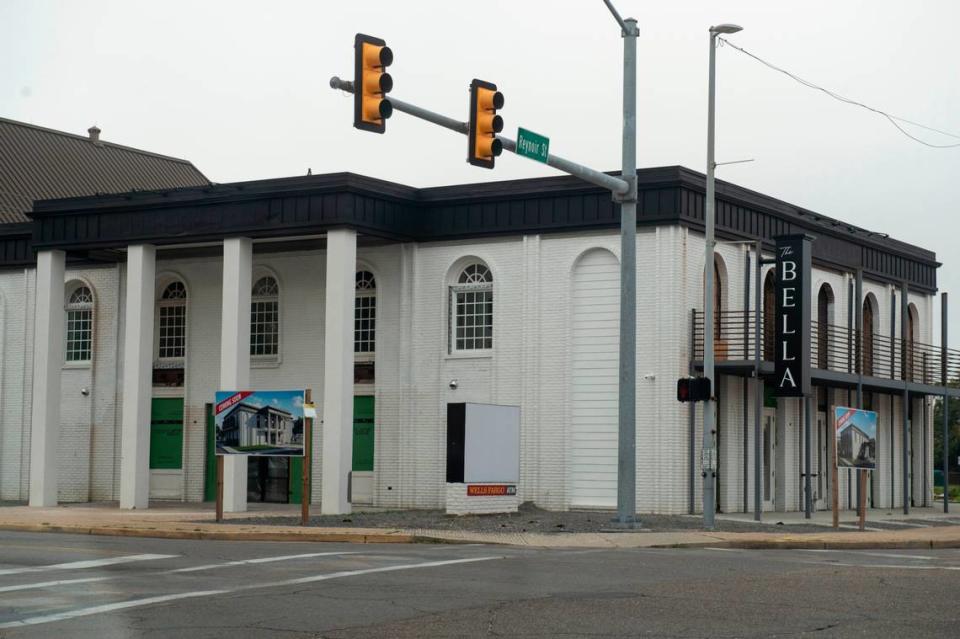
x,y
338,370
137,377
235,354
48,343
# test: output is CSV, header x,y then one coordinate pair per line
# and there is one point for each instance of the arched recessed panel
x,y
595,356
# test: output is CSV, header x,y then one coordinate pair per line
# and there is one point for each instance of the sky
x,y
241,89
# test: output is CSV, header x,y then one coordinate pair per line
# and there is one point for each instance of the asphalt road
x,y
83,586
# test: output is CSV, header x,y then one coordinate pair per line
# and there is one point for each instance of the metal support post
x,y
692,425
627,447
860,357
757,386
893,370
746,385
807,469
859,334
905,455
946,403
850,334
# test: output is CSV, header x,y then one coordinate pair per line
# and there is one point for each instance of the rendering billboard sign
x,y
259,423
792,335
856,438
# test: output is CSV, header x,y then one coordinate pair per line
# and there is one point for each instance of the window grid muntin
x,y
265,318
471,303
365,314
79,329
172,322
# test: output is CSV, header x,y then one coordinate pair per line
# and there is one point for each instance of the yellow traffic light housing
x,y
371,83
483,145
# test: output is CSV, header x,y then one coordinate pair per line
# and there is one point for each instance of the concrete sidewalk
x,y
192,521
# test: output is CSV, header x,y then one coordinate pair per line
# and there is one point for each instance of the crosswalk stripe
x,y
81,565
147,601
259,560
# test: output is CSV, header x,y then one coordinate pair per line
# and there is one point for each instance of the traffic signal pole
x,y
624,190
627,430
613,184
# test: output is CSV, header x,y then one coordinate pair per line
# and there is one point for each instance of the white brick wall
x,y
529,366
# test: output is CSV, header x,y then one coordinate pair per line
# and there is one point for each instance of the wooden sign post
x,y
863,499
835,488
307,457
219,488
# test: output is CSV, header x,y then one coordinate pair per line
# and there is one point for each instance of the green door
x,y
166,434
363,433
362,446
296,479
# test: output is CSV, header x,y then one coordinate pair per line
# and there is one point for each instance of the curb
x,y
792,543
819,544
223,535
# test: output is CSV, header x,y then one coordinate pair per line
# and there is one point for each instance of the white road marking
x,y
260,560
886,566
908,524
51,584
869,554
136,603
82,565
725,549
84,612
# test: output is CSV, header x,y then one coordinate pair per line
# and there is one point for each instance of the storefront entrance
x,y
280,479
268,479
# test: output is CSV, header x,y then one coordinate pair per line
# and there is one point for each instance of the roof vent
x,y
94,132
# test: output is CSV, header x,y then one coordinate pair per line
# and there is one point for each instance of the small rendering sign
x,y
856,438
259,423
792,356
490,490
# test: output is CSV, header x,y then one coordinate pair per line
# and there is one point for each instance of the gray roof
x,y
38,163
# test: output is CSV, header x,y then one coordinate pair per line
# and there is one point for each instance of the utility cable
x,y
893,119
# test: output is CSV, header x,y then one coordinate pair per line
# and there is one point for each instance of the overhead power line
x,y
892,119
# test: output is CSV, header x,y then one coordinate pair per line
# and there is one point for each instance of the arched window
x,y
824,306
265,318
769,317
79,309
365,314
869,328
717,300
172,322
471,304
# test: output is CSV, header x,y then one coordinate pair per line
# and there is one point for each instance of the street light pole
x,y
709,454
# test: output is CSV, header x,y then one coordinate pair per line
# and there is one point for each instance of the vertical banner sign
x,y
792,356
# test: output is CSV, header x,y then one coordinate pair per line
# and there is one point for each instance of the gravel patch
x,y
529,519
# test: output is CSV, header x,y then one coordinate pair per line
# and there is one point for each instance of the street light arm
x,y
626,30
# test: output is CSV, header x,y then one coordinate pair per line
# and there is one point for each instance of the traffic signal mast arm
x,y
614,184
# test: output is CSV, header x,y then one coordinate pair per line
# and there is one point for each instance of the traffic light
x,y
371,83
693,389
482,144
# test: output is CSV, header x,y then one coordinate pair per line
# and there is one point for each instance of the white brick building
x,y
366,285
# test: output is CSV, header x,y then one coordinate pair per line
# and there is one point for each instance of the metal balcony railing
x,y
832,347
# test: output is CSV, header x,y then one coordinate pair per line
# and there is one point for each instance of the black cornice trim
x,y
313,204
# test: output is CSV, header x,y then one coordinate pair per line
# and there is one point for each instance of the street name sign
x,y
532,145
